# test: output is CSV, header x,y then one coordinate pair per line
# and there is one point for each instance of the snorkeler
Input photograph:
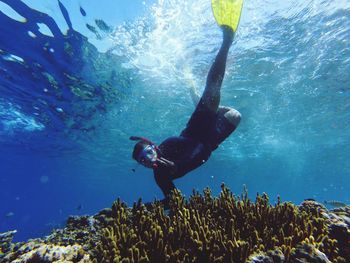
x,y
210,123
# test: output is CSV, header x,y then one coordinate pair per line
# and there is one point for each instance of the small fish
x,y
82,11
133,170
91,28
335,203
9,214
79,207
94,30
102,25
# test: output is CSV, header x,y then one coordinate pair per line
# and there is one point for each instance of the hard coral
x,y
227,228
37,252
207,229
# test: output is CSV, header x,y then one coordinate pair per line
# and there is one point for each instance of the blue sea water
x,y
78,78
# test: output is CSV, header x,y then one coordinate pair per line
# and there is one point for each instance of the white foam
x,y
12,120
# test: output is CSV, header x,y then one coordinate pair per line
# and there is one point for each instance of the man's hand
x,y
165,162
168,164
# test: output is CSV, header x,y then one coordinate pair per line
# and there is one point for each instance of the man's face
x,y
148,156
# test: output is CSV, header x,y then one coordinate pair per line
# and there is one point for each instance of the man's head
x,y
145,152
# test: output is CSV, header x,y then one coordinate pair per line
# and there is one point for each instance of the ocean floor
x,y
202,228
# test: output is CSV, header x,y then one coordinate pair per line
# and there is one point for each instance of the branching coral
x,y
207,229
227,228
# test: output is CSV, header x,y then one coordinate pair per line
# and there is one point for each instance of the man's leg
x,y
201,125
232,115
227,121
211,94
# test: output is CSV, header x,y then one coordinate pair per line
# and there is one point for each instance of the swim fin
x,y
227,12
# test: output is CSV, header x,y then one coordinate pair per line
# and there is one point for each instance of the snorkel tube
x,y
143,139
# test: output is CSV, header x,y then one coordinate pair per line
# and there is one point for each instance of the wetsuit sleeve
x,y
164,181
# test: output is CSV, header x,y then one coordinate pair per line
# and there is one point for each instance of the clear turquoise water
x,y
70,101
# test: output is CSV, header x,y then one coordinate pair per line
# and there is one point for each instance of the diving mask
x,y
148,156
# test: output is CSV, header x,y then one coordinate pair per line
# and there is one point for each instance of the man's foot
x,y
228,33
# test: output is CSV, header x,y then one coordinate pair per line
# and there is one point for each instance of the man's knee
x,y
233,116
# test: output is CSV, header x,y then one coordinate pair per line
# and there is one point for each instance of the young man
x,y
209,125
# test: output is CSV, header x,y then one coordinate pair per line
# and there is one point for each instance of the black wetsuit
x,y
205,130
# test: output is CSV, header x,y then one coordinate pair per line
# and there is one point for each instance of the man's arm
x,y
166,185
164,181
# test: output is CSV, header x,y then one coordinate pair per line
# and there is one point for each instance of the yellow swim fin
x,y
227,12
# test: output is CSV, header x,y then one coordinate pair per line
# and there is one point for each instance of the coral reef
x,y
204,228
6,241
40,252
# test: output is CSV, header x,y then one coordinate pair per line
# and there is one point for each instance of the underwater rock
x,y
5,241
308,253
338,221
202,228
341,233
272,256
34,252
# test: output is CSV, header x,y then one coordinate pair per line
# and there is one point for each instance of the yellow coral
x,y
204,228
227,228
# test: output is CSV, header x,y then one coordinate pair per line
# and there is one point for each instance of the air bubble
x,y
31,34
